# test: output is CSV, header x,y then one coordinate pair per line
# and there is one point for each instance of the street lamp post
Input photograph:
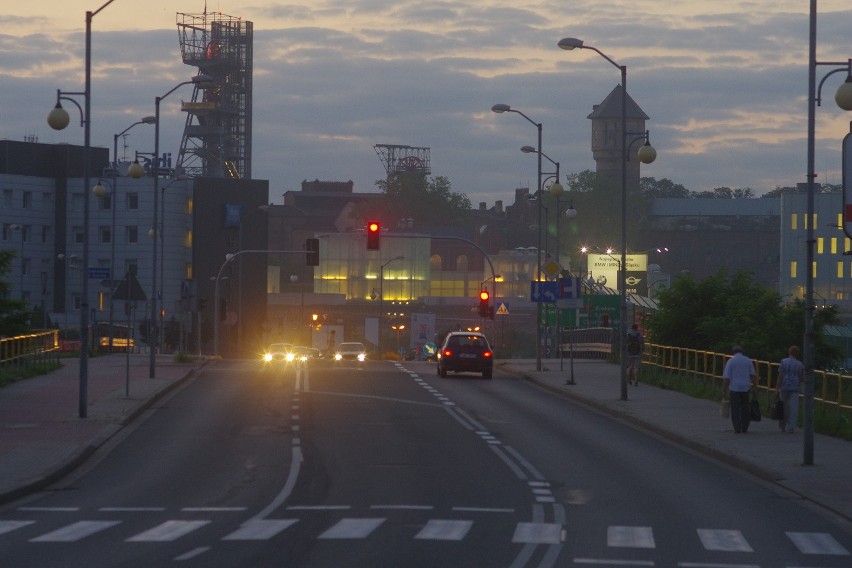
x,y
381,299
843,97
58,119
499,109
398,329
570,43
136,171
155,172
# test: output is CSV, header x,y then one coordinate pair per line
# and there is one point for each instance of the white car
x,y
350,351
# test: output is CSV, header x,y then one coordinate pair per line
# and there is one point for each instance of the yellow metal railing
x,y
32,348
831,389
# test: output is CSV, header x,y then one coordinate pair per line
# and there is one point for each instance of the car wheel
x,y
486,374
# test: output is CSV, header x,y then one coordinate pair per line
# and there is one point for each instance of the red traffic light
x,y
484,295
374,230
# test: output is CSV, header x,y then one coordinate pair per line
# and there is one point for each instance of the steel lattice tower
x,y
217,136
399,160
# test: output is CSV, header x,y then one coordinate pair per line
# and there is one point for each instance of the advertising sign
x,y
603,269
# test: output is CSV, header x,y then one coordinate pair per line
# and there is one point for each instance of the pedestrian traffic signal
x,y
312,252
374,230
484,304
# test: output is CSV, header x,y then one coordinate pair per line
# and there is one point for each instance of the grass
x,y
9,376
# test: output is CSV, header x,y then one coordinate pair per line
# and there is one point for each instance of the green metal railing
x,y
830,389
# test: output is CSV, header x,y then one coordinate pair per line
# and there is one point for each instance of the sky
x,y
724,84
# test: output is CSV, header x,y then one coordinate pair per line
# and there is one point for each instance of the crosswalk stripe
x,y
260,529
352,528
630,537
444,529
724,540
167,531
537,533
817,543
9,526
75,531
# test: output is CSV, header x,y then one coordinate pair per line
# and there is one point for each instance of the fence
x,y
587,342
830,389
25,351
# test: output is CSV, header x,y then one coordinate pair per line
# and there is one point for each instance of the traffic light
x,y
312,252
484,304
374,231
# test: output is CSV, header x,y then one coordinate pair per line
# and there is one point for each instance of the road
x,y
386,464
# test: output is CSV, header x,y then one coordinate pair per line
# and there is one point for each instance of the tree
x,y
429,201
725,310
651,187
15,317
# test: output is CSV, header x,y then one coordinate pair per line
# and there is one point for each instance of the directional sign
x,y
544,291
569,288
98,273
569,303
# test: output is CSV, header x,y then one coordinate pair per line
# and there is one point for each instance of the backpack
x,y
634,343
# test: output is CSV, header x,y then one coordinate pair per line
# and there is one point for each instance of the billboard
x,y
603,269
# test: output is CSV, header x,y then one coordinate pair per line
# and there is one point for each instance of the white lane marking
x,y
289,484
403,507
168,531
630,537
483,510
817,543
715,565
131,509
352,529
509,463
443,529
261,529
192,553
75,531
213,509
538,533
319,507
49,509
612,562
9,526
724,540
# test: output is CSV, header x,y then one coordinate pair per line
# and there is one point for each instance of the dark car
x,y
465,351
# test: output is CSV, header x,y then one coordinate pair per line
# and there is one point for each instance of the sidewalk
x,y
765,451
42,438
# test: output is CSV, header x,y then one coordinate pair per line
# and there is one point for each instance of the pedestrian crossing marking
x,y
724,540
630,537
538,533
168,531
352,528
817,543
261,529
444,529
75,531
9,526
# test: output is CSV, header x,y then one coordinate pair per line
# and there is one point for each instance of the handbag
x,y
725,408
754,410
777,412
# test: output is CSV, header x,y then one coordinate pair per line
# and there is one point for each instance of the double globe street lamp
x,y
646,155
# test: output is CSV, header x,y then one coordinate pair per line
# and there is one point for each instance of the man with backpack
x,y
635,348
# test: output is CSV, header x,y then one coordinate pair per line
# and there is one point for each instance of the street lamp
x,y
381,298
843,98
398,329
58,119
570,43
155,172
499,109
136,171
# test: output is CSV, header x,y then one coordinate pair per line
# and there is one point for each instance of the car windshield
x,y
278,347
468,341
350,347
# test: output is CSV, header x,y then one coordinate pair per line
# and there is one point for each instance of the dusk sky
x,y
724,82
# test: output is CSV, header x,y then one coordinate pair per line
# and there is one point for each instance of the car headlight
x,y
338,356
267,357
361,356
289,357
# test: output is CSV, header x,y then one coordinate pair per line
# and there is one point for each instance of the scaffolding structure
x,y
217,137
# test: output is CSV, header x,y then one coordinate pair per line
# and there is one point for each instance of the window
x,y
77,200
132,235
105,234
105,202
79,235
132,201
27,200
131,265
7,198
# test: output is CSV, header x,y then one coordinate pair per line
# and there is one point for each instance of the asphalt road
x,y
386,464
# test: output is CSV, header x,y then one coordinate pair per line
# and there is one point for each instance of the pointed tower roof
x,y
611,107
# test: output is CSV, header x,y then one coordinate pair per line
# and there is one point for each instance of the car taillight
x,y
448,353
486,354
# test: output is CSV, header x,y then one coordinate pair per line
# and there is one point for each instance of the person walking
x,y
791,372
635,348
739,378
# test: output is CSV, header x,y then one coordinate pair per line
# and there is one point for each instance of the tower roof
x,y
611,106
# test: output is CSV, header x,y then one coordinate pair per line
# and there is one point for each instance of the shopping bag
x,y
754,410
725,408
777,412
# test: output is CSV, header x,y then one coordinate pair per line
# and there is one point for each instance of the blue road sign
x,y
544,291
569,288
98,273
